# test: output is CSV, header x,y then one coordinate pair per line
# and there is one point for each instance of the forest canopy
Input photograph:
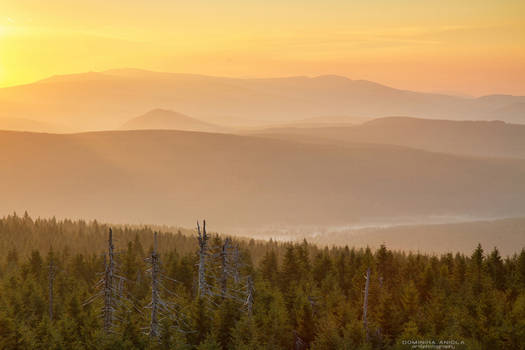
x,y
246,294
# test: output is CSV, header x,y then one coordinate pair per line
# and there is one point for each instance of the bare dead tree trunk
x,y
236,264
224,267
161,308
249,299
299,344
110,289
365,303
108,286
203,245
155,272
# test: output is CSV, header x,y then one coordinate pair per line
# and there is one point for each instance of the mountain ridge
x,y
475,138
102,100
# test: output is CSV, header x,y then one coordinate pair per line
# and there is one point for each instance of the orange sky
x,y
467,47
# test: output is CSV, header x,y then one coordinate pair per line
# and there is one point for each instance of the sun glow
x,y
477,46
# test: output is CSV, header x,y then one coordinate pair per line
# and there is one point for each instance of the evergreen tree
x,y
313,294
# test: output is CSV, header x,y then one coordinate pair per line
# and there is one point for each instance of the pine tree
x,y
496,269
269,267
409,302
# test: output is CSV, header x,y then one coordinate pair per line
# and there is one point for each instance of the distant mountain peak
x,y
127,70
163,111
332,77
75,77
160,118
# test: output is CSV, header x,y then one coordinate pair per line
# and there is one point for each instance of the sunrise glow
x,y
472,47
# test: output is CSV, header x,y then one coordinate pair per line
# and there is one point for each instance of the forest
x,y
64,284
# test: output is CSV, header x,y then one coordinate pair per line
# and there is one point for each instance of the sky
x,y
460,47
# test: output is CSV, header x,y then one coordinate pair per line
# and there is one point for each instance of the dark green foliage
x,y
305,296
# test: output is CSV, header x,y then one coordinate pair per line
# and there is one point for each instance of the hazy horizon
x,y
234,175
472,49
449,92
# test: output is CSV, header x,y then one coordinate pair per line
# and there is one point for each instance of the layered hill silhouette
x,y
21,124
106,100
316,122
478,138
175,177
161,119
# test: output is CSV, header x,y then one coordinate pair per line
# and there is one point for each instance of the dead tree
x,y
230,284
163,308
155,298
110,289
203,251
108,308
299,343
236,264
219,273
224,267
365,303
249,298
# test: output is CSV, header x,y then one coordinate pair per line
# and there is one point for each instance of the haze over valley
x,y
282,158
234,175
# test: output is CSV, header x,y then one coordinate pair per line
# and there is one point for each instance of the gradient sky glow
x,y
467,47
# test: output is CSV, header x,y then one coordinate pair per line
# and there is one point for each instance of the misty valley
x,y
332,221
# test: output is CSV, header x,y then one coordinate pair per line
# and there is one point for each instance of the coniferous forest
x,y
67,285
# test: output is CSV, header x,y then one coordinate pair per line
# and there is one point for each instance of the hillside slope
x,y
175,177
478,138
21,124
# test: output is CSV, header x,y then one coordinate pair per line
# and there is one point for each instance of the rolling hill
x,y
160,119
477,138
21,124
175,177
105,100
